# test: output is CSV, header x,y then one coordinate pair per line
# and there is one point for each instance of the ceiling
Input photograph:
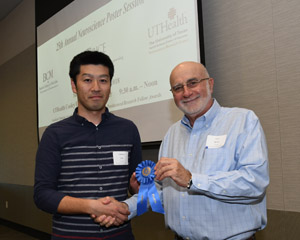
x,y
6,6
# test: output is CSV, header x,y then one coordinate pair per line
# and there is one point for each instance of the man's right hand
x,y
112,212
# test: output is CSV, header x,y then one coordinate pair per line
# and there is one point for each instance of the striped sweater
x,y
75,158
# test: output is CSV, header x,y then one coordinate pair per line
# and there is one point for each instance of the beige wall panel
x,y
239,48
287,46
17,30
21,209
18,132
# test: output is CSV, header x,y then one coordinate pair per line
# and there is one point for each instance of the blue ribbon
x,y
145,175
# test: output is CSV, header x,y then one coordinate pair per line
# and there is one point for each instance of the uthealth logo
x,y
173,21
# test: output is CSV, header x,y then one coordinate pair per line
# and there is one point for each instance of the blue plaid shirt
x,y
227,198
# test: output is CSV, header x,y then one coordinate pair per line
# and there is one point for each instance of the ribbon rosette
x,y
145,175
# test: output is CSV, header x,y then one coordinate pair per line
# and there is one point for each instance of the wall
x,y
253,54
252,51
18,131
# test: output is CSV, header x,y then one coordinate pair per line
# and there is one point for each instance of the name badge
x,y
215,141
120,158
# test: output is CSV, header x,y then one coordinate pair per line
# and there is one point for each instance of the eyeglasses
x,y
191,83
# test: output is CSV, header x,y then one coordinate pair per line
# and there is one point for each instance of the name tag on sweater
x,y
120,158
215,141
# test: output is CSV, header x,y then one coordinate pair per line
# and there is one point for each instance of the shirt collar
x,y
81,119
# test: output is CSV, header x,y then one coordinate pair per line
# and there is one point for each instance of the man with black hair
x,y
84,162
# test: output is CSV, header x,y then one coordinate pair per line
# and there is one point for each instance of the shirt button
x,y
100,188
198,184
183,217
99,147
206,125
100,167
97,129
182,194
190,154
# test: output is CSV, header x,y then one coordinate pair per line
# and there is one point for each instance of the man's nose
x,y
96,86
186,91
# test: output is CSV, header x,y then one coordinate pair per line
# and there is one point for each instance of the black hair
x,y
90,57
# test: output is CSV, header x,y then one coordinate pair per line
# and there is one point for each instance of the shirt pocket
x,y
214,160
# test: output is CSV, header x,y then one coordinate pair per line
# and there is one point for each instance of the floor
x,y
7,233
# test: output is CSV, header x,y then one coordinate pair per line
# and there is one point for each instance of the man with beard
x,y
212,172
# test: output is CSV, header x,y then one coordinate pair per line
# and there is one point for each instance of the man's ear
x,y
211,85
74,88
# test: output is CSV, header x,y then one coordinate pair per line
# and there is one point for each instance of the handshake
x,y
108,211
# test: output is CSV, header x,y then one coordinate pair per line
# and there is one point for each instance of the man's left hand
x,y
134,184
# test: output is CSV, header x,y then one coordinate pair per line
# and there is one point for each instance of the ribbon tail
x,y
142,199
154,200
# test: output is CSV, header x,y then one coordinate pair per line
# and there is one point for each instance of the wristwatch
x,y
189,183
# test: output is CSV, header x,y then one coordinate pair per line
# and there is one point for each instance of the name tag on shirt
x,y
215,141
120,158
